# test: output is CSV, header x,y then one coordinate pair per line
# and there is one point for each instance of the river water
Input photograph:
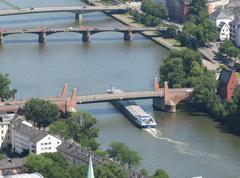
x,y
187,143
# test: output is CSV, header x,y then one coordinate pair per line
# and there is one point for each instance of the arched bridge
x,y
85,31
78,10
163,98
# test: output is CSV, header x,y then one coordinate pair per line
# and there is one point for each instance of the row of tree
x,y
154,8
147,20
53,165
185,69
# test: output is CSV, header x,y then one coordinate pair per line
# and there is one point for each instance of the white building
x,y
224,31
5,120
25,137
235,31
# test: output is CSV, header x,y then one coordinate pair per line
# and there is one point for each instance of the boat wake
x,y
157,134
181,147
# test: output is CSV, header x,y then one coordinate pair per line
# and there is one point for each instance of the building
x,y
11,166
32,175
227,84
76,155
224,30
178,9
24,137
5,120
222,15
215,4
235,31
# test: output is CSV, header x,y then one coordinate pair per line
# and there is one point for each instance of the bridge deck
x,y
76,29
104,97
74,9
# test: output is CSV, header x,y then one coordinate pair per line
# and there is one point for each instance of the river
x,y
187,143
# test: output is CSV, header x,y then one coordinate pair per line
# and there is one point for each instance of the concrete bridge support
x,y
42,37
1,39
86,36
128,36
78,16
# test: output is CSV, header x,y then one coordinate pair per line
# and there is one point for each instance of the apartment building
x,y
25,137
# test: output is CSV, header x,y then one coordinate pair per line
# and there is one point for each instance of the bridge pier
x,y
1,39
42,38
128,36
86,36
163,103
78,16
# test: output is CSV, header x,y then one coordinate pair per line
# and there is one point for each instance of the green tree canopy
x,y
80,126
5,91
41,112
121,152
160,173
53,165
153,8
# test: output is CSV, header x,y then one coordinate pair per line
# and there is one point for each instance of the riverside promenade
x,y
170,44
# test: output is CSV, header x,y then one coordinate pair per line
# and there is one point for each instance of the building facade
x,y
224,30
5,121
178,9
235,31
227,84
24,137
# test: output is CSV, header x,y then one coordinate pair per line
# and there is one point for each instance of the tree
x,y
160,173
41,112
110,170
60,128
144,172
197,7
82,128
121,152
5,91
152,8
172,31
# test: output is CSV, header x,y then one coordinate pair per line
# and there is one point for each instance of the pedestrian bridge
x,y
163,98
84,30
73,9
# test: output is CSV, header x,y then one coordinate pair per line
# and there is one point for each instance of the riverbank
x,y
168,43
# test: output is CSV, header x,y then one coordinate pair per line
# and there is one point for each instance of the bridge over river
x,y
163,98
78,10
85,31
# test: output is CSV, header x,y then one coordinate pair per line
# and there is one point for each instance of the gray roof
x,y
234,4
225,76
77,152
226,13
221,25
14,163
35,135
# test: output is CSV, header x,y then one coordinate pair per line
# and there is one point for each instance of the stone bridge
x,y
163,98
85,31
77,10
